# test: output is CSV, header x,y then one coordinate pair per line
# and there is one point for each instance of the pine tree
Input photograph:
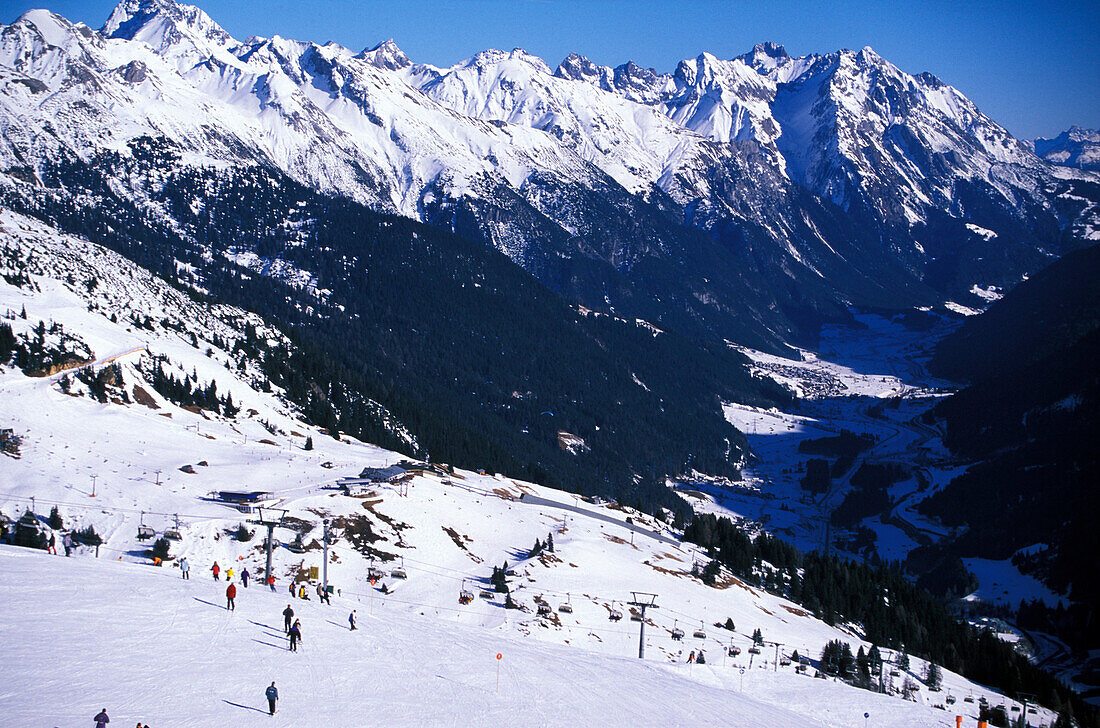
x,y
550,542
757,636
902,661
309,443
863,668
875,658
55,519
933,676
160,549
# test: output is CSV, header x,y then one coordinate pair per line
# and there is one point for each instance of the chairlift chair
x,y
565,608
677,633
486,594
614,615
950,700
734,651
399,572
544,609
784,661
173,533
464,596
635,616
968,699
145,532
754,650
699,634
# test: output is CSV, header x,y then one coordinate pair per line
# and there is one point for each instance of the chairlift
x,y
699,634
784,661
486,594
464,596
566,608
677,633
544,609
754,650
173,533
145,532
614,615
733,651
968,699
1015,708
1031,711
635,616
399,572
296,546
950,700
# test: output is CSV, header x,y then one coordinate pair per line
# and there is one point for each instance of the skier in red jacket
x,y
216,570
230,595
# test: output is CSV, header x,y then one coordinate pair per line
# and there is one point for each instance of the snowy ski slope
x,y
115,631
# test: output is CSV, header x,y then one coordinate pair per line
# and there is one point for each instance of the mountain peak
x,y
386,55
577,68
770,49
53,28
150,21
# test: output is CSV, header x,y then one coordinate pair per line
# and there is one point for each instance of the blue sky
x,y
1032,66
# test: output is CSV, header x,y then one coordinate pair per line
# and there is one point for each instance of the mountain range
x,y
751,198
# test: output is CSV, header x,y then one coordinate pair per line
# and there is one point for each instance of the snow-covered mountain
x,y
1075,147
110,444
749,198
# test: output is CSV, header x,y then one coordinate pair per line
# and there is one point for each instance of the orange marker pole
x,y
372,597
499,656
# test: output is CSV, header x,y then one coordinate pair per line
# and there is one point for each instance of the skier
x,y
229,574
691,657
351,619
185,568
67,542
288,614
322,594
215,569
271,582
272,695
292,591
700,660
230,595
102,719
295,635
53,544
302,593
244,577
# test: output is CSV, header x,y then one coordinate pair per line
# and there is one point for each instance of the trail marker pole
x,y
93,485
499,657
324,556
372,581
742,679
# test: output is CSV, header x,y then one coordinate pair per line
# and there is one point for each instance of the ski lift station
x,y
243,500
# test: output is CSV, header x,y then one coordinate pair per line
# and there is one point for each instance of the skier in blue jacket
x,y
272,695
102,719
